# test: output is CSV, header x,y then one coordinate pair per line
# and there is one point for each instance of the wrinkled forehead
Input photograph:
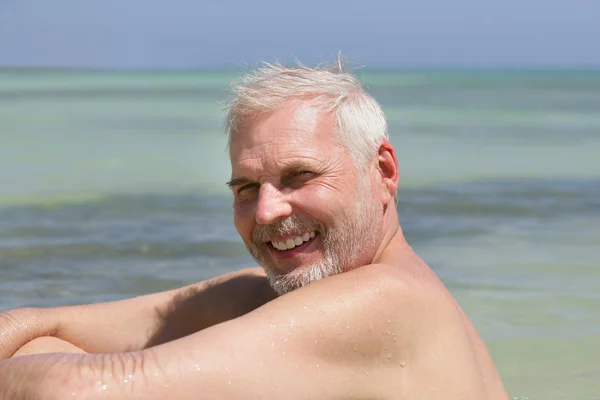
x,y
298,126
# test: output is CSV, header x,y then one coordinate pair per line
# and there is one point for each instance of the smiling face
x,y
301,206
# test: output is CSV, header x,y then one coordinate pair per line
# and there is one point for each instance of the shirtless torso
x,y
357,314
384,331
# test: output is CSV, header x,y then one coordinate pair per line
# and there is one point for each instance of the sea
x,y
112,185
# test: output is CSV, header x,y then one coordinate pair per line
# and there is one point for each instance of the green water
x,y
112,185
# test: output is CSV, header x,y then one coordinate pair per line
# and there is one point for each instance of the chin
x,y
301,276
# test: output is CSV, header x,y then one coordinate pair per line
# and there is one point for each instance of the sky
x,y
192,34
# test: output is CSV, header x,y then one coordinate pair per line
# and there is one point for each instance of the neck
x,y
392,235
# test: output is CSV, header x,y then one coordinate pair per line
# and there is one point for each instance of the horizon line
x,y
424,68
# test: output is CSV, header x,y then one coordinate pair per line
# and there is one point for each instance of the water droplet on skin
x,y
388,356
285,340
389,333
366,372
389,321
402,363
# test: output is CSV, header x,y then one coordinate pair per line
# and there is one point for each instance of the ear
x,y
387,166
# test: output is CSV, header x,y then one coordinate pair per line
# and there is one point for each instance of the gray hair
x,y
360,124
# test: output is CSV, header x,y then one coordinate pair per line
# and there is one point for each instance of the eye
x,y
298,177
246,187
301,173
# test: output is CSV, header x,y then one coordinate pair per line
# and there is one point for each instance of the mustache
x,y
285,226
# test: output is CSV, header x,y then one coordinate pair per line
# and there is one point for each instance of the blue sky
x,y
225,33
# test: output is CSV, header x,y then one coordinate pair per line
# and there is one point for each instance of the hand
x,y
18,327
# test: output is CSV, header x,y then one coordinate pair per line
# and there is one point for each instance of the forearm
x,y
148,374
112,327
98,328
66,376
147,321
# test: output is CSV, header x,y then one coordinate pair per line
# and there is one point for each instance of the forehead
x,y
297,132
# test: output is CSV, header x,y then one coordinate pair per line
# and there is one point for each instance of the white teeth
x,y
293,242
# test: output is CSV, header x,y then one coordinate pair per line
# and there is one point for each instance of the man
x,y
342,307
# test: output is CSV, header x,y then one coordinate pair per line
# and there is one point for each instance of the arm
x,y
361,338
140,322
306,344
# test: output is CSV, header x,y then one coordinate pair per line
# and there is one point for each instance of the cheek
x,y
243,222
324,203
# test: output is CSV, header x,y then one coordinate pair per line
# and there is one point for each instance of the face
x,y
301,206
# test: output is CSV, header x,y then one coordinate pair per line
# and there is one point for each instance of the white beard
x,y
341,244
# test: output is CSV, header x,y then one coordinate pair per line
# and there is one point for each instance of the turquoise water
x,y
112,185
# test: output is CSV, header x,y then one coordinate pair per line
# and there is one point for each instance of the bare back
x,y
388,331
452,358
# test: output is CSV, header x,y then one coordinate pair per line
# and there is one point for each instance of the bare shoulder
x,y
366,320
400,327
438,347
375,332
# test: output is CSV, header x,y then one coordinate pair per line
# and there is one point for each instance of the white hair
x,y
360,124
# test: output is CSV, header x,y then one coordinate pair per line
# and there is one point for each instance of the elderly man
x,y
341,308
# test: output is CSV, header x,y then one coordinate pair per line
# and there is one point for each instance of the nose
x,y
272,205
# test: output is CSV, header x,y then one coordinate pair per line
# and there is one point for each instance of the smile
x,y
293,241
